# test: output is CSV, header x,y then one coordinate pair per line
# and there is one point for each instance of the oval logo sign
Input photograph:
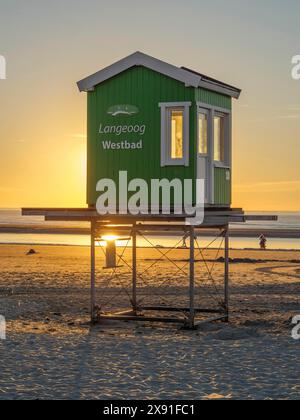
x,y
116,110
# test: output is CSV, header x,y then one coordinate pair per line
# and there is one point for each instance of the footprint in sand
x,y
236,334
217,397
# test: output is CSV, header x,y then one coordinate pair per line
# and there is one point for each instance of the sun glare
x,y
108,238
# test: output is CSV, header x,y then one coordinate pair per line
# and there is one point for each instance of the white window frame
x,y
227,164
223,112
203,111
166,159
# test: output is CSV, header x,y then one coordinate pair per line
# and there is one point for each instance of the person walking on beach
x,y
263,241
186,236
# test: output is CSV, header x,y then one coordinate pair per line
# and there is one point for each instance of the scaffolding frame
x,y
137,312
216,218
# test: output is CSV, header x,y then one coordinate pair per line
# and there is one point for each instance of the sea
x,y
286,220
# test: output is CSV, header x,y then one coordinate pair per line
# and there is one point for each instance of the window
x,y
214,136
176,119
203,133
219,138
175,134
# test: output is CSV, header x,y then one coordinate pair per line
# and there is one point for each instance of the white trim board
x,y
174,104
213,108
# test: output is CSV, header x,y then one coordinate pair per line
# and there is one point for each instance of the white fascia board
x,y
139,59
220,89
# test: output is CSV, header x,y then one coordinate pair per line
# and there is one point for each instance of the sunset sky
x,y
50,45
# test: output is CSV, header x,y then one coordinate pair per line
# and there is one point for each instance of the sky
x,y
50,45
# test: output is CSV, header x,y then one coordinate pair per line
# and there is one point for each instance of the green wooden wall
x,y
213,98
144,89
222,186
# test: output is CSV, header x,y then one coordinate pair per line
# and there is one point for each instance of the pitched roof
x,y
182,74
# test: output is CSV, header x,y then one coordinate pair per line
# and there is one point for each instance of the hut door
x,y
203,155
202,173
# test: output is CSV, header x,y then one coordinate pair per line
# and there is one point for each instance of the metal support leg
x,y
134,269
226,275
192,278
93,274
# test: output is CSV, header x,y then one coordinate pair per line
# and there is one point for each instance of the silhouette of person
x,y
263,242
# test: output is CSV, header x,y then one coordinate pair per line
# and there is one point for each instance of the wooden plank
x,y
207,321
65,219
41,211
173,309
258,217
90,212
213,217
211,222
142,319
93,213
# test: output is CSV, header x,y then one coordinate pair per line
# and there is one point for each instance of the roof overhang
x,y
224,90
189,78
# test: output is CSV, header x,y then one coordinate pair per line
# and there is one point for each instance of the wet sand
x,y
52,352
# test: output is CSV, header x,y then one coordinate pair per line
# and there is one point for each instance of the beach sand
x,y
52,352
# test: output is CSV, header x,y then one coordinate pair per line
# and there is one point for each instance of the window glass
x,y
202,121
219,138
177,134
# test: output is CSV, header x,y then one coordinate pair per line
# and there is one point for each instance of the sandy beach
x,y
52,352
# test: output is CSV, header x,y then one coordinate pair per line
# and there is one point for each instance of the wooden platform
x,y
214,217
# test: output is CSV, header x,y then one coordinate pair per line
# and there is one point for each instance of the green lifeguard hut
x,y
156,120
